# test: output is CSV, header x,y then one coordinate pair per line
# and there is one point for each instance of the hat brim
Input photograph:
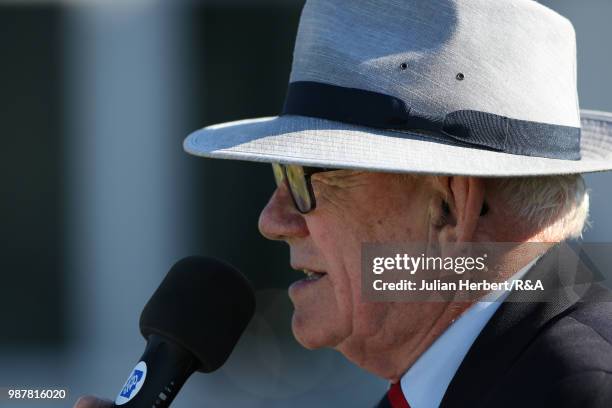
x,y
318,142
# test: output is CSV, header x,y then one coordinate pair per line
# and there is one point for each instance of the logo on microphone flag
x,y
133,384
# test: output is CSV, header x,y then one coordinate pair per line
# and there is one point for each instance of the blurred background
x,y
98,199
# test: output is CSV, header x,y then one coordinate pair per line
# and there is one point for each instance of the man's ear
x,y
461,206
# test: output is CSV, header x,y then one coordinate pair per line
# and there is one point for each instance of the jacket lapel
x,y
517,321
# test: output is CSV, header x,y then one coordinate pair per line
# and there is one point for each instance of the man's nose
x,y
280,220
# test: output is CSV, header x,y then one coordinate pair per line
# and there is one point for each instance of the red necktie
x,y
396,396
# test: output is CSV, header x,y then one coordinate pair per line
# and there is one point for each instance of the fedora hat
x,y
465,87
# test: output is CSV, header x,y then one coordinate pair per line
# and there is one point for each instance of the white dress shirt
x,y
425,383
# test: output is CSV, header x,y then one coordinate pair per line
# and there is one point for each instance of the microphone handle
x,y
157,378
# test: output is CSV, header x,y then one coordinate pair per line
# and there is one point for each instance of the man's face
x,y
352,208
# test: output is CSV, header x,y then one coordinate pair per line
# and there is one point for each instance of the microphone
x,y
191,323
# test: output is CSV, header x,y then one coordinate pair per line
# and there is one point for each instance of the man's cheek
x,y
369,319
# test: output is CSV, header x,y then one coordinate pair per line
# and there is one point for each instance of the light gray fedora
x,y
466,87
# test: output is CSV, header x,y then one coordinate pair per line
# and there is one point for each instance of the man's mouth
x,y
312,275
311,280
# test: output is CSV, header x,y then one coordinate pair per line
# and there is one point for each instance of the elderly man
x,y
439,122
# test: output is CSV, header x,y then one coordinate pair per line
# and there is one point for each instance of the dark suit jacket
x,y
540,354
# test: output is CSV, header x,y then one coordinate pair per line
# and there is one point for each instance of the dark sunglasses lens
x,y
298,186
279,174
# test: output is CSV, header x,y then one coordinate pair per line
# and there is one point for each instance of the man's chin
x,y
310,334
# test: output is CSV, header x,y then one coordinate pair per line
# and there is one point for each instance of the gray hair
x,y
558,206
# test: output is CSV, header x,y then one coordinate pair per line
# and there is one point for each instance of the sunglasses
x,y
297,180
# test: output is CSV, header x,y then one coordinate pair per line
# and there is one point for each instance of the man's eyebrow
x,y
338,173
338,176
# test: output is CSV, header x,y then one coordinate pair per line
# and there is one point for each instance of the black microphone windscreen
x,y
204,305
